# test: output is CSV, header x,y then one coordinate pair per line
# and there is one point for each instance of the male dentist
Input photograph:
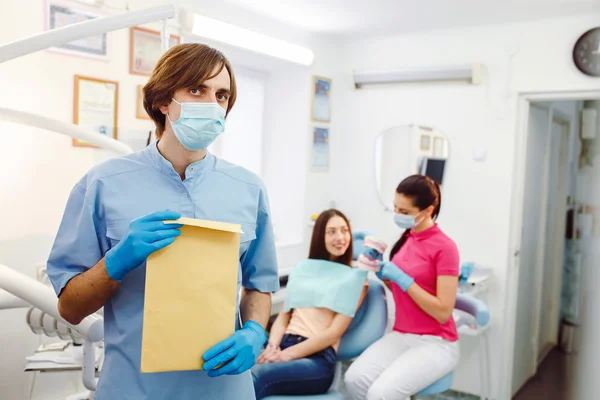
x,y
114,220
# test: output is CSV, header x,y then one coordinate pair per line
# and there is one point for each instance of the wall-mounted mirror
x,y
406,150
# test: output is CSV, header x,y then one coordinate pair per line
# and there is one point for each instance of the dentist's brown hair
x,y
184,66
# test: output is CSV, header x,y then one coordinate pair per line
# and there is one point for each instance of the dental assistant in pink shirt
x,y
423,277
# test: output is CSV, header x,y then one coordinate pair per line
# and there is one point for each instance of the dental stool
x,y
368,326
439,386
479,311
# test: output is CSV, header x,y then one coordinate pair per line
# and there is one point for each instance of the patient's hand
x,y
271,354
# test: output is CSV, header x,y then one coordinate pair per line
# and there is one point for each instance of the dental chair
x,y
480,313
367,327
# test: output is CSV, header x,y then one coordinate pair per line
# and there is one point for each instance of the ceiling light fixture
x,y
234,35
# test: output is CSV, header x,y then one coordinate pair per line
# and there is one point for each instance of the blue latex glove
x,y
465,271
239,351
146,235
389,270
373,254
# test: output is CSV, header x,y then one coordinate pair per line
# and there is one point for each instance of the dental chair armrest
x,y
474,307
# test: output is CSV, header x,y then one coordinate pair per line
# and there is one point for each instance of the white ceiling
x,y
374,17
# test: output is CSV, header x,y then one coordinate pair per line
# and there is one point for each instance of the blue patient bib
x,y
320,283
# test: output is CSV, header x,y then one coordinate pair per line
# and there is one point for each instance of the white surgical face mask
x,y
199,124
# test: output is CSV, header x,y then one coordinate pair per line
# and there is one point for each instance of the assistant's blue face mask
x,y
406,221
199,124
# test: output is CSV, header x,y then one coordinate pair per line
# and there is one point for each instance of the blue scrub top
x,y
97,216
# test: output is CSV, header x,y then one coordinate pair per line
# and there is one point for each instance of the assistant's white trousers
x,y
399,365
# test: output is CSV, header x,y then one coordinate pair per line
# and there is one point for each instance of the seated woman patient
x,y
301,353
423,276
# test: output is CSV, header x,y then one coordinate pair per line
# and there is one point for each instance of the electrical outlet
x,y
480,155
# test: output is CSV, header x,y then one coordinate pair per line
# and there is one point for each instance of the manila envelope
x,y
190,299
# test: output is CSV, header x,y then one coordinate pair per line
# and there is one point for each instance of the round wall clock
x,y
586,52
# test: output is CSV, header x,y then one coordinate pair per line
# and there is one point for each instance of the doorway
x,y
558,201
544,217
547,172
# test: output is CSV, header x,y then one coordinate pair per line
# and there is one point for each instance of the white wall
x,y
476,208
242,141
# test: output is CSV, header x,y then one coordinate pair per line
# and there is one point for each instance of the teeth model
x,y
373,253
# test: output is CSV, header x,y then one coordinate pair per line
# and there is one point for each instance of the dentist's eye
x,y
195,92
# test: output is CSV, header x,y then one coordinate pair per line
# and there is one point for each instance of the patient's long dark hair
x,y
424,192
318,251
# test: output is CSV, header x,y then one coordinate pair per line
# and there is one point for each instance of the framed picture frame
x,y
425,144
95,107
321,99
60,13
140,110
438,146
320,149
145,49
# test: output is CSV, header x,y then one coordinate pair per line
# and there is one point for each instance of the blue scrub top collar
x,y
164,166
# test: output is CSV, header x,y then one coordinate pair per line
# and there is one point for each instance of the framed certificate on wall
x,y
61,13
145,49
320,149
95,107
321,101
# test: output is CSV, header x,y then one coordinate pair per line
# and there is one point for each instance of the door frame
x,y
560,249
524,100
565,121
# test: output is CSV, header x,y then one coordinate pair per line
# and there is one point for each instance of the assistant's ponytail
x,y
399,243
438,200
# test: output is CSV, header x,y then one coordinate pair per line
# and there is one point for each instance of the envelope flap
x,y
216,225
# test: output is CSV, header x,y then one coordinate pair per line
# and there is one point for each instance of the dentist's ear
x,y
164,109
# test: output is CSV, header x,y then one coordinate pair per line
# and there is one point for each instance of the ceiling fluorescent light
x,y
97,3
470,74
226,33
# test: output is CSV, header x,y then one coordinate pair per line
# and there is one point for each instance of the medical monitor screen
x,y
433,168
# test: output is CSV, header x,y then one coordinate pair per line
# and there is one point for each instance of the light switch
x,y
479,155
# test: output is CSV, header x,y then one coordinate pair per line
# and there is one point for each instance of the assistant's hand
x,y
146,235
239,351
389,270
